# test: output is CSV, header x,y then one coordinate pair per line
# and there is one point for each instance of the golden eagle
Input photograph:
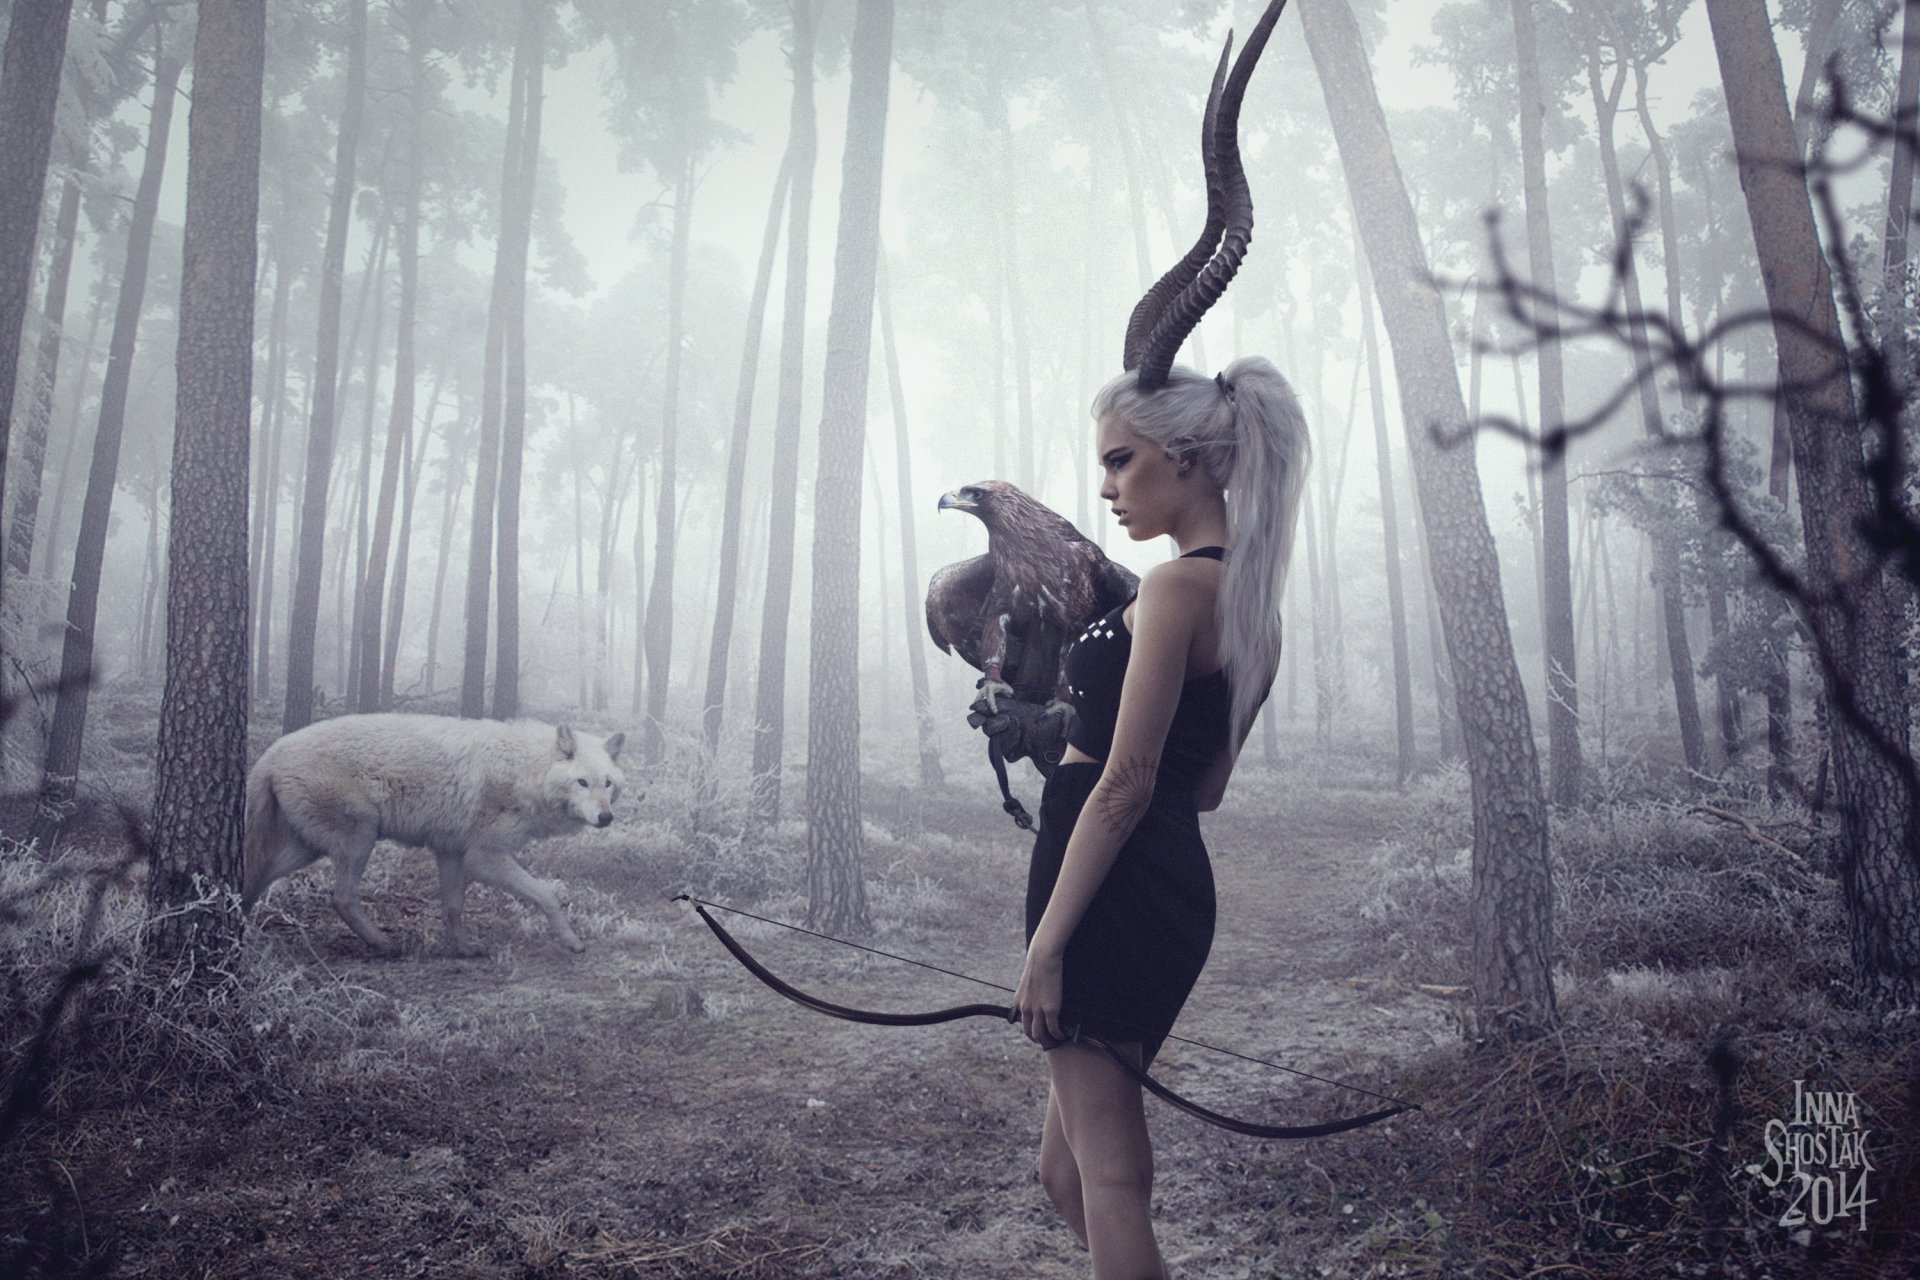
x,y
1012,612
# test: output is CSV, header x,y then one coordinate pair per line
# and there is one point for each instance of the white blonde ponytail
x,y
1245,427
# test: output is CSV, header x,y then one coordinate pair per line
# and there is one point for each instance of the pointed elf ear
x,y
614,744
563,743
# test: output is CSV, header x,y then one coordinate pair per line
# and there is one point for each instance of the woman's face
x,y
1137,478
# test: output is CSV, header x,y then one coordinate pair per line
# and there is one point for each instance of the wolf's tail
x,y
267,833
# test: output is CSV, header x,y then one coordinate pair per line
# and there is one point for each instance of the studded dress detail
x,y
1137,952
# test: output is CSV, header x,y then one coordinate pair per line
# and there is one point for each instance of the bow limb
x,y
818,1005
1246,1127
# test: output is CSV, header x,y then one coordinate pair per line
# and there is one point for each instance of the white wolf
x,y
475,792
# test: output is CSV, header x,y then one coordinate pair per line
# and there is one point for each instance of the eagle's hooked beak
x,y
952,498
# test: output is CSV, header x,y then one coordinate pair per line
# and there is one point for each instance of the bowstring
x,y
967,977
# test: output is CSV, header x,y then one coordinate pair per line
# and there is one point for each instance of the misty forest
x,y
613,367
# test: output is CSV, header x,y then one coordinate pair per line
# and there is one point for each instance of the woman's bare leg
x,y
1105,1124
1059,1173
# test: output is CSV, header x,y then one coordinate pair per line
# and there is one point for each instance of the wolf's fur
x,y
475,792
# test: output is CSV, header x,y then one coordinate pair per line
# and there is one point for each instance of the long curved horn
x,y
1178,318
1146,312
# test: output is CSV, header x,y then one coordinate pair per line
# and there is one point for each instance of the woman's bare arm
x,y
1163,632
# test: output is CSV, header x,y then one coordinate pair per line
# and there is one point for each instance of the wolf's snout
x,y
604,820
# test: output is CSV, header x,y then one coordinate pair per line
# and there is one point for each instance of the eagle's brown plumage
x,y
1011,612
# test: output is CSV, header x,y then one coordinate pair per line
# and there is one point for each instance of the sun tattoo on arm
x,y
1129,789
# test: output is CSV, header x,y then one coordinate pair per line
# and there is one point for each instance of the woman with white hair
x,y
1120,897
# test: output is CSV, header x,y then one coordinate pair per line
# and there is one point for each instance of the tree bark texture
x,y
836,890
1512,907
1852,615
201,769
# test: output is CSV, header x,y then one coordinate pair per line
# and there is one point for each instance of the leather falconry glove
x,y
1023,730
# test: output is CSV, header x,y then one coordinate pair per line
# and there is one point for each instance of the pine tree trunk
x,y
304,622
63,478
486,477
836,890
1894,274
354,556
60,777
456,482
266,480
1556,601
1512,897
1390,527
1853,617
1016,308
403,547
913,608
29,87
727,576
659,633
373,578
506,680
1686,701
770,697
201,764
31,443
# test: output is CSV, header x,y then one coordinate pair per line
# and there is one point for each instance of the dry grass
x,y
1674,933
645,1110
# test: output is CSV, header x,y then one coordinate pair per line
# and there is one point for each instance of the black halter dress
x,y
1138,950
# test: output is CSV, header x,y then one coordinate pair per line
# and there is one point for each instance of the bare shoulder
x,y
1183,578
1173,601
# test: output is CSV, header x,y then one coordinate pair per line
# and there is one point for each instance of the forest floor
x,y
648,1108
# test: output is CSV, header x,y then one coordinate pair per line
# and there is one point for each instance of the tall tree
x,y
1512,902
770,696
29,88
59,779
28,448
911,611
304,623
513,422
1850,610
371,695
201,769
836,891
1390,530
659,631
1556,600
720,646
486,472
1606,106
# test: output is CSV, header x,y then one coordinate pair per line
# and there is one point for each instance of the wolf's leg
x,y
350,852
453,898
502,872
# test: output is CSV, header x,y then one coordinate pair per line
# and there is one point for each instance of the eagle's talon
x,y
993,687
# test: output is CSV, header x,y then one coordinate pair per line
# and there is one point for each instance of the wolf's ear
x,y
563,742
614,744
